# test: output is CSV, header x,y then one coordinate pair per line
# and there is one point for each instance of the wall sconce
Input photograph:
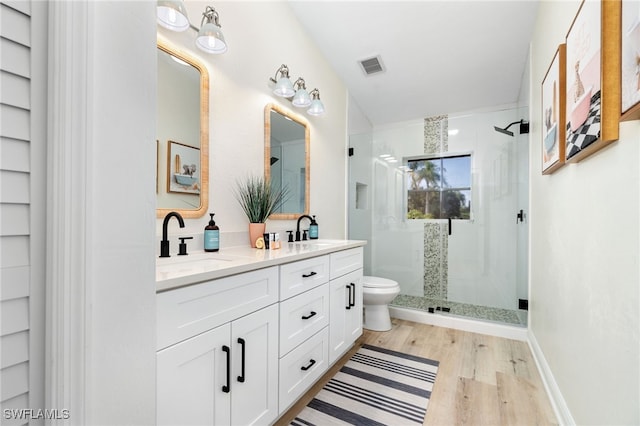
x,y
172,14
297,92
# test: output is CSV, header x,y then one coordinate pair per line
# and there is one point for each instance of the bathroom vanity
x,y
243,333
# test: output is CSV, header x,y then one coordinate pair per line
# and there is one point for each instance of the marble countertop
x,y
198,266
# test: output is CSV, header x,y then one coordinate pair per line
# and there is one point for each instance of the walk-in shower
x,y
443,203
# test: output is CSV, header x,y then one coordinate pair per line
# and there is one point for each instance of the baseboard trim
x,y
488,328
553,390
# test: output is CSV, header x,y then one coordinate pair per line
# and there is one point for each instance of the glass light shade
x,y
301,99
316,107
210,39
172,15
284,88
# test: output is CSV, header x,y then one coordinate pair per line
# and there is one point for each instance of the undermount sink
x,y
192,257
319,243
195,262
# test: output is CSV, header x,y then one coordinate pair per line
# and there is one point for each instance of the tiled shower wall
x,y
436,140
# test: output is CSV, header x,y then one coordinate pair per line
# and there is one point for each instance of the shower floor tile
x,y
468,310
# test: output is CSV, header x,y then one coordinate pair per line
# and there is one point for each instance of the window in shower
x,y
439,187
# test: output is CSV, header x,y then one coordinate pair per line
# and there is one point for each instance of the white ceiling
x,y
440,56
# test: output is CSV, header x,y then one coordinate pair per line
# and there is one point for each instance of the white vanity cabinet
x,y
240,346
220,372
346,301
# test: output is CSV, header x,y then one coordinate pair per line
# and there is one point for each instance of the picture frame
x,y
630,57
553,113
183,168
592,73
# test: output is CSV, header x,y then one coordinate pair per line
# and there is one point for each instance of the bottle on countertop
x,y
211,235
313,229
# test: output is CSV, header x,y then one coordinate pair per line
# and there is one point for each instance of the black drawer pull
x,y
308,366
310,274
349,297
352,293
312,314
241,376
226,388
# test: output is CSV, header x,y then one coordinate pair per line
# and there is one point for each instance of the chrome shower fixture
x,y
524,128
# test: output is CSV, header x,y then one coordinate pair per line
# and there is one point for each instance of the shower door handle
x,y
449,219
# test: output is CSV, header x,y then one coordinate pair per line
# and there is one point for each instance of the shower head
x,y
273,160
505,131
524,128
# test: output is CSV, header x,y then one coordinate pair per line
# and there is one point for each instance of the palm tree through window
x,y
439,187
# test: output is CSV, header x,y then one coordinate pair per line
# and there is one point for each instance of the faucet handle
x,y
304,234
290,236
182,248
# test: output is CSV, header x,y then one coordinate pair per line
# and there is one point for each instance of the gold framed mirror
x,y
182,173
286,159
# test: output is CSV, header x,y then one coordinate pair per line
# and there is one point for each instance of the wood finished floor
x,y
482,380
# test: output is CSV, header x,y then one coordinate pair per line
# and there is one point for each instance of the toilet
x,y
377,293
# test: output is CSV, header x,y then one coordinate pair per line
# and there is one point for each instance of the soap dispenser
x,y
211,235
313,229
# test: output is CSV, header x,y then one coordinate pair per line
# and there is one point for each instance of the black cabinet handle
x,y
310,274
241,376
308,366
226,388
306,317
449,219
353,292
348,287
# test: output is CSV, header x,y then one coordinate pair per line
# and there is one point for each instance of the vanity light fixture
x,y
316,107
210,38
297,92
283,88
301,98
172,14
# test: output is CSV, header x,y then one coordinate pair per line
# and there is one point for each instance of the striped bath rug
x,y
376,386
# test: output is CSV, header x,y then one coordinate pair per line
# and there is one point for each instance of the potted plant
x,y
258,199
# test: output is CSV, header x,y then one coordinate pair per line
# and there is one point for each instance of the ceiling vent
x,y
372,65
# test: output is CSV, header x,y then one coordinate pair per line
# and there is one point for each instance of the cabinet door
x,y
190,376
345,315
254,390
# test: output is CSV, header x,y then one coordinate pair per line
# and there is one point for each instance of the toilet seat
x,y
378,282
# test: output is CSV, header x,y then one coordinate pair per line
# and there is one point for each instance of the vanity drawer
x,y
303,316
301,367
345,261
297,277
188,311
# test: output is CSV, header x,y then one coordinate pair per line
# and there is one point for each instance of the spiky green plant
x,y
258,199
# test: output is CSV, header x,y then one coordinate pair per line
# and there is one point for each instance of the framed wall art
x,y
183,168
592,79
630,78
553,113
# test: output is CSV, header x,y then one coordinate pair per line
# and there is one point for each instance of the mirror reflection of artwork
x,y
183,169
183,116
631,58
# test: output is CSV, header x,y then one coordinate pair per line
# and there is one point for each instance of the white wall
x,y
584,251
101,334
262,36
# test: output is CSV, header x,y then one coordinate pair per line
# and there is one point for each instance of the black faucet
x,y
298,227
164,244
